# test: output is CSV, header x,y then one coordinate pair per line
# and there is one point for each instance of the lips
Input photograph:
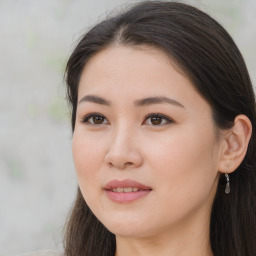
x,y
115,184
126,190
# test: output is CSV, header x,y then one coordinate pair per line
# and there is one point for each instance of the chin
x,y
128,232
125,228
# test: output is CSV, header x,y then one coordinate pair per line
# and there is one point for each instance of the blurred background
x,y
37,177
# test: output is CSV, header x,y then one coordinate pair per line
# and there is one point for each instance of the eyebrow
x,y
141,102
95,99
157,100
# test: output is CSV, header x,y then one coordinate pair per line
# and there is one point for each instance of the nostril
x,y
128,164
121,165
122,160
110,164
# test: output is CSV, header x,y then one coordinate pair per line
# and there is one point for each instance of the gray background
x,y
37,177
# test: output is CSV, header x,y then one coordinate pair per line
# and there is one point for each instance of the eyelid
x,y
85,119
166,118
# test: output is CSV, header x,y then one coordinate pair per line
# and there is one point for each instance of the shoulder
x,y
41,253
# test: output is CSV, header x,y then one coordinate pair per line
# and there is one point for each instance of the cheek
x,y
86,148
180,148
88,157
186,167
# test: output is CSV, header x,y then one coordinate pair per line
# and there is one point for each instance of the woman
x,y
163,118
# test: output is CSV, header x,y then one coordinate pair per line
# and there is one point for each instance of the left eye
x,y
95,119
157,120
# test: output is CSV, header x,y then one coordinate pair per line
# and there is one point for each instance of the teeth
x,y
119,190
125,190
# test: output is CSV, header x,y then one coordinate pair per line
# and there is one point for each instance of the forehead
x,y
135,72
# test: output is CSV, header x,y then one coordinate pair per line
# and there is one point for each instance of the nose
x,y
123,151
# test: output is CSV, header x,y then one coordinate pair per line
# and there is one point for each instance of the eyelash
x,y
87,118
167,120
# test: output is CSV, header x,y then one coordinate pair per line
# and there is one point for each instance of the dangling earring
x,y
227,189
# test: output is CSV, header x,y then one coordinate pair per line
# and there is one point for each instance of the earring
x,y
227,189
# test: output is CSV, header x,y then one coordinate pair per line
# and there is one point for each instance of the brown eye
x,y
98,119
94,119
156,120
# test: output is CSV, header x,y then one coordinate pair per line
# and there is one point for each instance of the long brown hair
x,y
206,53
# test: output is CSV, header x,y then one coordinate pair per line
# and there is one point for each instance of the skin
x,y
179,159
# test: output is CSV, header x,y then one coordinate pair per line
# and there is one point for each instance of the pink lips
x,y
125,190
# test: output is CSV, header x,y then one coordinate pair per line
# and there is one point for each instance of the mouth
x,y
126,190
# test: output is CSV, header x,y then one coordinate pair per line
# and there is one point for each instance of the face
x,y
144,144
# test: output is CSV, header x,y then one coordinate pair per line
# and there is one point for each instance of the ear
x,y
235,144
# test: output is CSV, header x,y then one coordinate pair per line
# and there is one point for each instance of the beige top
x,y
41,253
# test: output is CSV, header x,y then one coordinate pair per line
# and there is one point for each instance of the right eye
x,y
94,119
